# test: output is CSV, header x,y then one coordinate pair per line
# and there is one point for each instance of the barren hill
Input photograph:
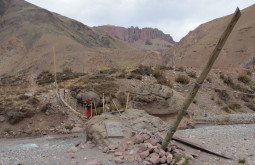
x,y
194,49
28,34
145,38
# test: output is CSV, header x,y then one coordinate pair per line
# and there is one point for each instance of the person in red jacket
x,y
88,107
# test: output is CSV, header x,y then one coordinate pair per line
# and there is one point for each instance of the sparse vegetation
x,y
244,78
143,70
179,158
69,126
7,130
234,106
241,161
223,95
183,79
192,74
162,67
251,106
161,79
45,77
208,79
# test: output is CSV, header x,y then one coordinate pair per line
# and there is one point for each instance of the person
x,y
88,108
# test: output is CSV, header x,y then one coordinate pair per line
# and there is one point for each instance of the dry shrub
x,y
161,79
134,76
162,67
192,74
180,69
223,95
251,106
226,109
244,78
183,79
234,106
143,70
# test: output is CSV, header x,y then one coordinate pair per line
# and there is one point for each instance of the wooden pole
x,y
103,102
127,101
201,78
116,106
55,68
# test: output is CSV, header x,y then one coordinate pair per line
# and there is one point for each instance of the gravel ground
x,y
235,141
48,150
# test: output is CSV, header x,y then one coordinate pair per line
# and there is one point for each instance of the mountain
x,y
28,34
194,49
145,38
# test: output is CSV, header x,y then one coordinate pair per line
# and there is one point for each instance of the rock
x,y
90,145
77,130
134,34
152,141
163,159
94,162
144,154
112,147
150,147
146,163
169,158
130,159
162,153
156,150
70,155
196,154
159,136
142,147
154,159
139,119
106,149
73,149
118,160
118,153
138,139
88,95
154,154
146,136
29,94
2,119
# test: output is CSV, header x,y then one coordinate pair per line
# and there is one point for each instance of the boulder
x,y
88,95
131,120
157,99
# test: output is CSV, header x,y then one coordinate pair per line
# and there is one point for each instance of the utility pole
x,y
55,68
172,128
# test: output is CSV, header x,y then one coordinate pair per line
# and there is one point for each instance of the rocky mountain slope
x,y
28,34
194,49
140,37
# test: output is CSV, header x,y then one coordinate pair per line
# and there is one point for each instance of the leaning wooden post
x,y
201,78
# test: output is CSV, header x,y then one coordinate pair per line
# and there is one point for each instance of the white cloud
x,y
174,17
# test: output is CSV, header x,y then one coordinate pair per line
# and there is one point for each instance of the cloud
x,y
174,17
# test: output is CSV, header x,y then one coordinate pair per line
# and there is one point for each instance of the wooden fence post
x,y
201,78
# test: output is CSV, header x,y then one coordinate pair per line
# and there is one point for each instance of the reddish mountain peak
x,y
134,34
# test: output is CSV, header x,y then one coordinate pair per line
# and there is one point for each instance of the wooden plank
x,y
197,146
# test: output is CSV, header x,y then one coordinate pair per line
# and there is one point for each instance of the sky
x,y
174,17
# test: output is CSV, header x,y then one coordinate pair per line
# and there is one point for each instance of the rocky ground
x,y
235,141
